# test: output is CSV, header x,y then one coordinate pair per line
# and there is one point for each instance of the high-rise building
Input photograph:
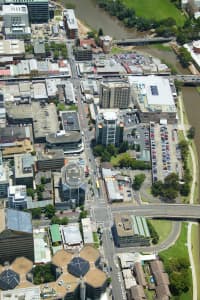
x,y
15,15
16,235
109,129
38,9
4,179
71,24
73,185
115,94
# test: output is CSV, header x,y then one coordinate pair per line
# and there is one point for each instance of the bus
x,y
97,184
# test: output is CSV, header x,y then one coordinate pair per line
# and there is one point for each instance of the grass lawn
x,y
179,249
196,254
162,47
96,239
156,9
115,159
117,50
163,228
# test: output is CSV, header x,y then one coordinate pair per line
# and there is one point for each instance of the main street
x,y
102,213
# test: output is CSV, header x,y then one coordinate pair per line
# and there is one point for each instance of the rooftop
x,y
22,265
70,120
71,234
62,258
15,220
71,19
95,278
15,9
153,93
67,137
73,175
30,293
90,253
9,279
78,267
55,233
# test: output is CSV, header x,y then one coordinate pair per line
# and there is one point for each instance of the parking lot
x,y
164,151
138,135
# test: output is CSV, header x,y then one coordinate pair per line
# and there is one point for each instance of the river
x,y
89,12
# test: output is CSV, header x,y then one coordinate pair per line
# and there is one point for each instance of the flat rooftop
x,y
153,93
95,278
73,175
90,254
62,258
30,293
71,19
70,120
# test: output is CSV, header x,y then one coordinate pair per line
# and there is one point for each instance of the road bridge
x,y
143,41
187,79
162,211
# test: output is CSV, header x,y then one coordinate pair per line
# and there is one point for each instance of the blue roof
x,y
78,267
18,220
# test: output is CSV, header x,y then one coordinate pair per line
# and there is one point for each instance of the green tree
x,y
83,214
100,32
123,147
138,181
111,149
191,132
105,156
36,213
30,192
50,211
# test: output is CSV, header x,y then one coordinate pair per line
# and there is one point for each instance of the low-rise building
x,y
39,48
131,231
83,53
50,160
154,99
71,236
23,172
87,231
17,197
13,48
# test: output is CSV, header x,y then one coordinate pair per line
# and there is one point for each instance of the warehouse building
x,y
130,231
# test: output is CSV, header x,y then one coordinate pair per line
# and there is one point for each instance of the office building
x,y
50,160
71,24
109,129
153,96
130,231
38,9
23,169
73,185
16,21
4,178
83,53
17,197
114,94
16,235
69,142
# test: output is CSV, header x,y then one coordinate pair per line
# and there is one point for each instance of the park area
x,y
156,9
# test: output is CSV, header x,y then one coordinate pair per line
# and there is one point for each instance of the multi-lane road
x,y
165,211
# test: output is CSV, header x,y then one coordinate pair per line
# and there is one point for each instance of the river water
x,y
92,15
89,12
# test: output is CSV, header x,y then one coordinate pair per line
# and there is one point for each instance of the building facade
x,y
16,235
114,94
109,129
38,9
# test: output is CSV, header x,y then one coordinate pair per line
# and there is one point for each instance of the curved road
x,y
170,241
